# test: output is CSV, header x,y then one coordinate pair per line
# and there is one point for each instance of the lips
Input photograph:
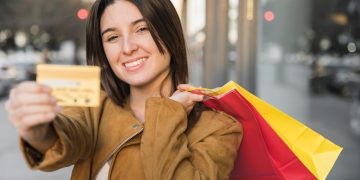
x,y
135,64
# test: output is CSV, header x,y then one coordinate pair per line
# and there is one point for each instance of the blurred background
x,y
301,56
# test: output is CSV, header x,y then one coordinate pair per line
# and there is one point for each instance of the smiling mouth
x,y
134,63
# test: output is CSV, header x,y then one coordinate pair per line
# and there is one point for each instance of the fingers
x,y
192,99
34,127
186,96
31,108
30,100
25,99
197,97
30,121
184,87
33,87
28,93
26,117
187,99
36,109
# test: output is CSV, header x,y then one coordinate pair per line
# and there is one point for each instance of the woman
x,y
146,126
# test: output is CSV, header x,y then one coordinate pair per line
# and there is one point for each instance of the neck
x,y
139,95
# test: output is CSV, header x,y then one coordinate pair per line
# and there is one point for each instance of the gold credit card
x,y
71,85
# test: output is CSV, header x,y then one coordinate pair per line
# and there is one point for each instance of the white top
x,y
104,172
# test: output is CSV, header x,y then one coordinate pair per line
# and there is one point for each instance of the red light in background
x,y
269,16
82,14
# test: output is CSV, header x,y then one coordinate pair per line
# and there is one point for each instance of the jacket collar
x,y
117,126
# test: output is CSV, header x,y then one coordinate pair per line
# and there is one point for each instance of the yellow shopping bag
x,y
317,153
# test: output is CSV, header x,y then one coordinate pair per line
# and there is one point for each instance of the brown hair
x,y
165,28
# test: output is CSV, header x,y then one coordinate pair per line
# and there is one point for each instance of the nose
x,y
129,45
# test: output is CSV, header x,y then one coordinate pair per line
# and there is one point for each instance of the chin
x,y
138,82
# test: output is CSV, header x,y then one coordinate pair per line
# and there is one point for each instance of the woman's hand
x,y
187,99
31,109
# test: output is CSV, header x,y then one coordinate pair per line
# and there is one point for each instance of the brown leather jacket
x,y
159,149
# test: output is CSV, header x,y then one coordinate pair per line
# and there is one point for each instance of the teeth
x,y
135,63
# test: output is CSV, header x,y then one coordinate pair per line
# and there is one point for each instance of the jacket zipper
x,y
116,149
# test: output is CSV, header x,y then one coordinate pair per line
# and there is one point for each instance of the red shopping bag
x,y
263,155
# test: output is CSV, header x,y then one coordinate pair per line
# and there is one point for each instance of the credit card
x,y
72,85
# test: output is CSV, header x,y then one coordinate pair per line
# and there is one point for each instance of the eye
x,y
112,38
143,29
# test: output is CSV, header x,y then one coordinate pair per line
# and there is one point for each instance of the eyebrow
x,y
113,29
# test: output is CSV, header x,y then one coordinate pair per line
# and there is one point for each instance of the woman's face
x,y
129,46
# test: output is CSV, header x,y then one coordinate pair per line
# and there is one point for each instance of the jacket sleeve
x,y
207,152
75,127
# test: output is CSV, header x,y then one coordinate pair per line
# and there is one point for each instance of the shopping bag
x,y
262,154
275,146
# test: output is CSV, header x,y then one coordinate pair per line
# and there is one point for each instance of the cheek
x,y
110,52
152,47
166,57
166,60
